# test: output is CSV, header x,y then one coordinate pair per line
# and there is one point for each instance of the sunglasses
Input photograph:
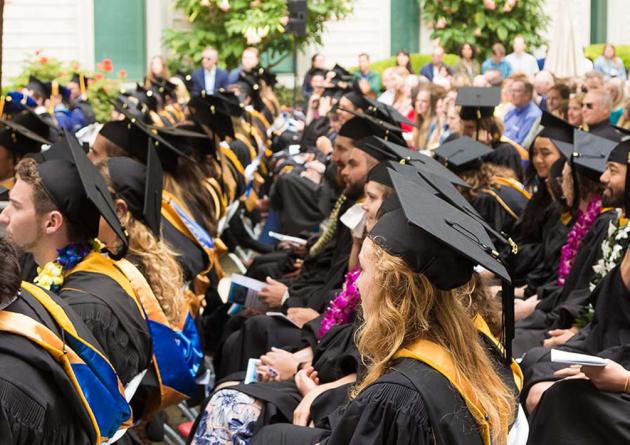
x,y
588,105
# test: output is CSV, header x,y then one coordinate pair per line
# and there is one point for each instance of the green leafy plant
x,y
486,22
102,85
232,25
417,61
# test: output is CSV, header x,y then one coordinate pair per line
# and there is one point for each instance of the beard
x,y
354,190
612,198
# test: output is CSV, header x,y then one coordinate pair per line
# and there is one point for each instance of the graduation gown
x,y
111,315
500,206
506,155
38,403
560,306
607,336
191,256
411,404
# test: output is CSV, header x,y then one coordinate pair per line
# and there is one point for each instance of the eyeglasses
x,y
588,105
207,58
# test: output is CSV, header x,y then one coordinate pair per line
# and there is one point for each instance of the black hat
x,y
78,189
477,102
443,243
118,133
556,128
341,74
79,77
249,86
591,153
189,139
164,88
267,76
461,154
435,238
374,148
140,186
147,97
44,89
186,78
358,100
621,155
24,134
211,112
363,125
141,132
386,112
231,101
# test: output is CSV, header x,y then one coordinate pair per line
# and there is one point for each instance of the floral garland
x,y
613,249
579,230
343,305
51,276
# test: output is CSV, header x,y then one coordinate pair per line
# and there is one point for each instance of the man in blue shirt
x,y
209,77
497,62
523,116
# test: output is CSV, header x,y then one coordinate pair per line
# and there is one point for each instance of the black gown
x,y
560,306
411,404
113,318
504,154
607,336
319,280
38,403
500,206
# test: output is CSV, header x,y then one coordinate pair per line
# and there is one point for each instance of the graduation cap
x,y
186,78
164,88
267,76
118,133
14,102
591,153
341,74
386,112
477,102
442,242
367,125
146,97
358,100
249,87
24,134
462,154
231,101
188,138
78,189
43,89
140,186
621,155
211,112
144,131
556,128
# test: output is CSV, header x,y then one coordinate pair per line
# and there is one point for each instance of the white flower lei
x,y
613,249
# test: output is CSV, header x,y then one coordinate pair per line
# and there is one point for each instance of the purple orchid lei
x,y
343,305
579,230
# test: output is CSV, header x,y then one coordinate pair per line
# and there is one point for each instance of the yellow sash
x,y
482,327
512,183
441,360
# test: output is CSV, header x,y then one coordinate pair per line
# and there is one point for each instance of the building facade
x,y
130,31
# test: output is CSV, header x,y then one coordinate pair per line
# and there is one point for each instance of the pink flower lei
x,y
574,238
343,305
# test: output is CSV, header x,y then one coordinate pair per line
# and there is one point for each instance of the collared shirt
x,y
209,79
503,67
519,121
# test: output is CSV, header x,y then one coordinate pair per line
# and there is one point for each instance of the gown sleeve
x,y
383,413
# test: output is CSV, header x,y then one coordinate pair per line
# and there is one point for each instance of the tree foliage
x,y
486,22
232,25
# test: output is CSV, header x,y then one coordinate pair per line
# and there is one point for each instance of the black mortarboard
x,y
147,97
443,243
421,161
341,74
164,88
141,132
461,154
78,189
24,134
249,86
43,89
140,187
591,153
621,155
556,128
477,102
367,125
358,100
76,78
211,112
384,111
186,79
232,104
188,139
118,133
267,76
374,148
